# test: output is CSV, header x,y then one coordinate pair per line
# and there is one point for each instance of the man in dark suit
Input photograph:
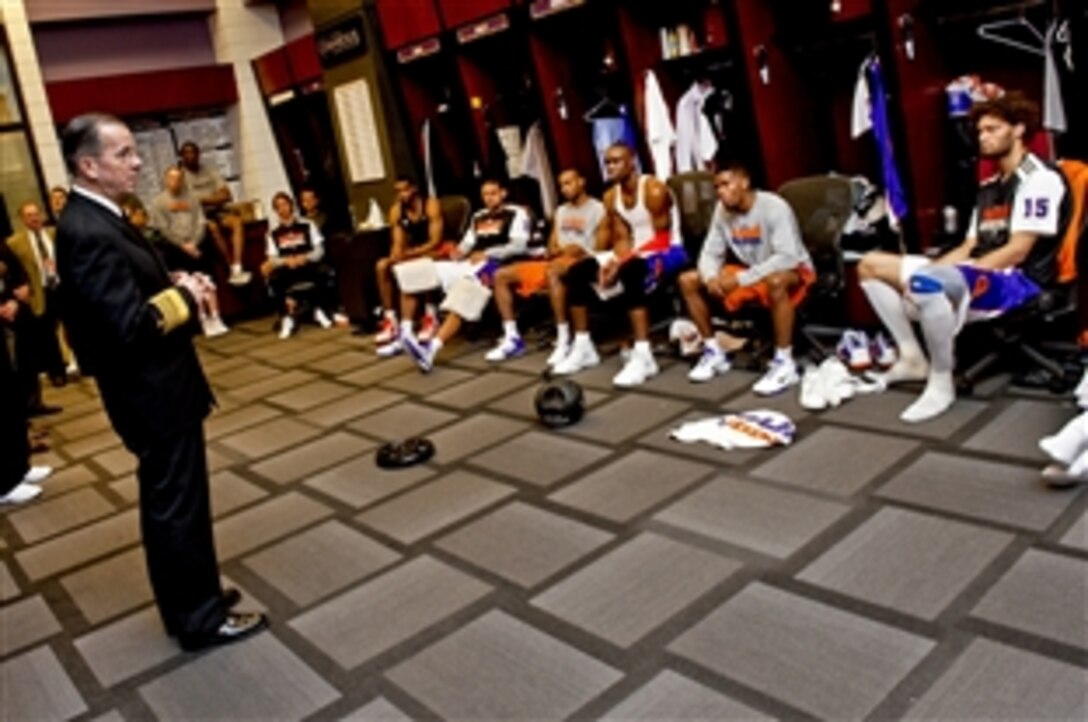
x,y
131,330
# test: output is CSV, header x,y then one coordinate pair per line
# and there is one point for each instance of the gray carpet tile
x,y
307,396
600,376
992,681
383,612
915,563
111,587
86,446
819,659
523,401
631,485
435,505
269,437
1043,594
221,424
1077,535
320,561
116,462
625,416
539,458
9,587
111,716
361,482
270,520
629,592
59,514
341,362
758,517
276,683
350,406
523,544
673,381
82,545
231,492
269,386
25,623
660,439
378,372
127,647
880,412
36,687
669,696
1005,435
818,461
248,374
217,461
417,384
989,490
380,710
301,461
787,403
532,676
463,439
402,421
480,390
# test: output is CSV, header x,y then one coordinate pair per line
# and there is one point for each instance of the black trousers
x,y
176,521
282,279
583,274
15,457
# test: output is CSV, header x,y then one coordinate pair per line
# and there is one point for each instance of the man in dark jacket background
x,y
131,330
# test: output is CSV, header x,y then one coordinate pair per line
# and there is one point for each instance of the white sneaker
x,y
1081,392
238,277
712,363
389,350
639,369
559,353
812,397
37,474
215,327
322,319
507,348
422,352
882,351
779,377
853,349
72,369
580,358
388,330
22,493
287,327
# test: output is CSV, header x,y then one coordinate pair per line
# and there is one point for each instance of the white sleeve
x,y
1038,204
520,232
318,242
972,226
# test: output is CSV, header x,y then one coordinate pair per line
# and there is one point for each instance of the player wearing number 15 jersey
x,y
1008,255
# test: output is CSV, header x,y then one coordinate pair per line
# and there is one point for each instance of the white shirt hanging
x,y
660,134
535,164
695,141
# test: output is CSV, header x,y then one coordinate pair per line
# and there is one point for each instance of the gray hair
x,y
81,137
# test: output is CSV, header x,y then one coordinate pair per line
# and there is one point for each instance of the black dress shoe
x,y
43,410
236,627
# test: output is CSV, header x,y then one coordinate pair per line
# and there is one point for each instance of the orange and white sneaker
x,y
388,331
428,327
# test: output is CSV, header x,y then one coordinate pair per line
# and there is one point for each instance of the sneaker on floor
x,y
882,352
711,364
215,327
638,370
1081,392
287,327
507,348
581,357
20,494
780,376
422,352
322,319
428,327
391,349
238,277
37,474
812,397
388,330
559,353
853,349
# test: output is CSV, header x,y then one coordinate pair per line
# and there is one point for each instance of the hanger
x,y
991,31
605,108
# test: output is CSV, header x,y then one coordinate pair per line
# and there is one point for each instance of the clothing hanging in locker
x,y
870,112
660,133
696,141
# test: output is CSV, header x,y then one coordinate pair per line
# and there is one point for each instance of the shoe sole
x,y
419,357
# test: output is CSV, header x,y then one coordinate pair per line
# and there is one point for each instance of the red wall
x,y
143,93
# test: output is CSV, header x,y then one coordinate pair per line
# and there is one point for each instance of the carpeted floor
x,y
871,570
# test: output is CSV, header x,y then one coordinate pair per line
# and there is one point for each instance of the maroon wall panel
x,y
142,93
302,60
458,12
406,21
273,73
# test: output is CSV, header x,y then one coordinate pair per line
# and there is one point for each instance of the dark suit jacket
x,y
151,382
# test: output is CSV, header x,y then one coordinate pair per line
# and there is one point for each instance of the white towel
x,y
660,134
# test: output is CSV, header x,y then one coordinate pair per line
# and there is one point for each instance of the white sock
x,y
430,310
1069,443
784,354
711,345
938,321
888,304
510,330
436,344
390,316
643,348
582,339
406,328
236,268
562,334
